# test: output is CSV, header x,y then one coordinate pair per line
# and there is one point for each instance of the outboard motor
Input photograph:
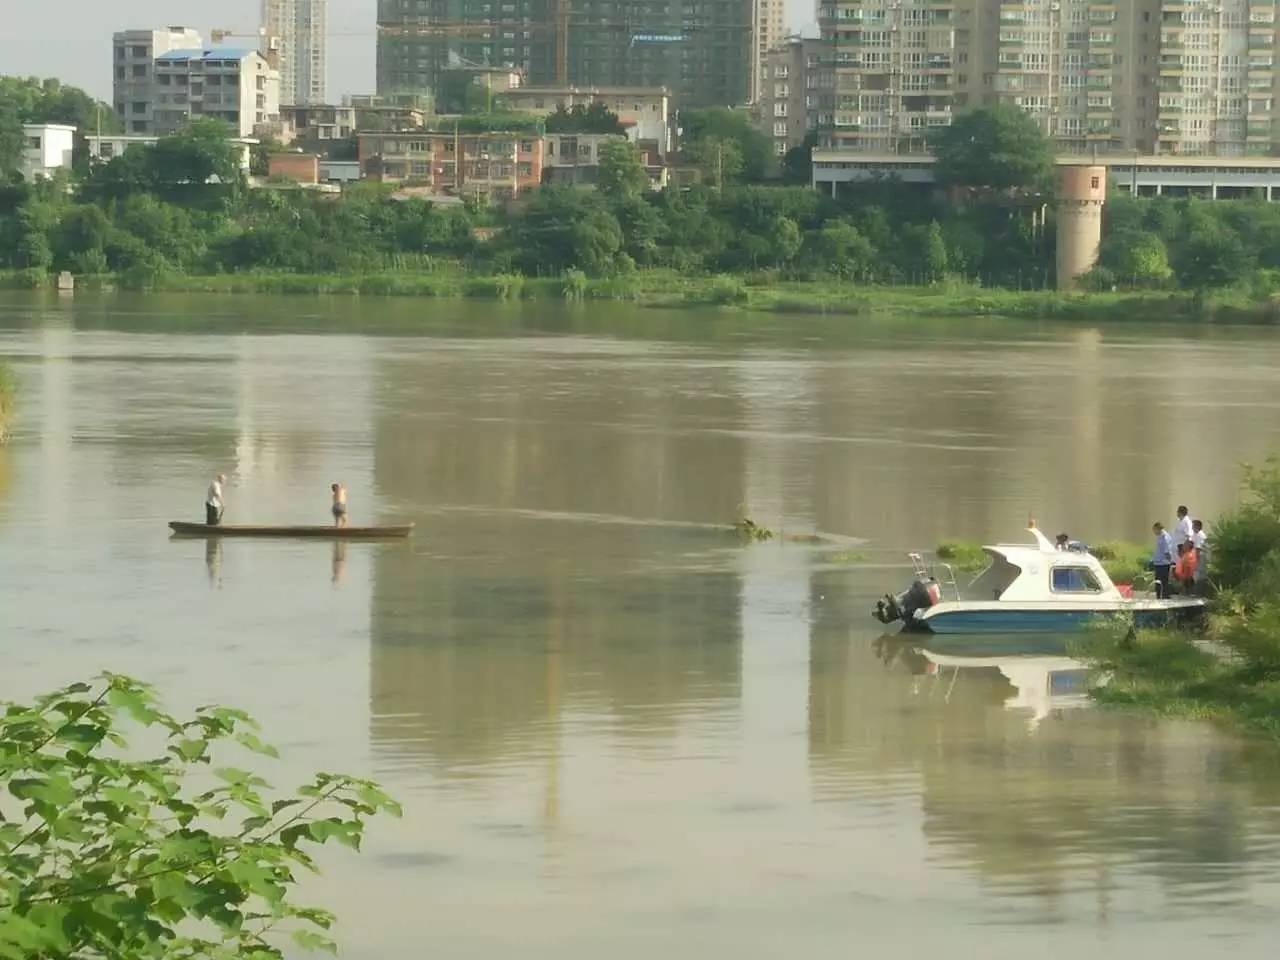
x,y
921,595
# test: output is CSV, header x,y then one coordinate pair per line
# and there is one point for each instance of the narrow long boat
x,y
327,532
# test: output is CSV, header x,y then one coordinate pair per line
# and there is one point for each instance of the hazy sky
x,y
71,39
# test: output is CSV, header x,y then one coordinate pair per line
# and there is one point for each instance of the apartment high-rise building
x,y
895,71
1181,77
296,33
795,92
417,42
704,51
133,71
770,20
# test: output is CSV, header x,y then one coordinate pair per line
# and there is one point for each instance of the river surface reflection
x,y
616,731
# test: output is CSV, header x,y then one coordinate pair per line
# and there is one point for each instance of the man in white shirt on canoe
x,y
213,503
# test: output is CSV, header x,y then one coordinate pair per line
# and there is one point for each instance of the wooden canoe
x,y
328,532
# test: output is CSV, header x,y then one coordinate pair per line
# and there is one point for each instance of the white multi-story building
x,y
46,149
296,31
236,86
133,71
645,112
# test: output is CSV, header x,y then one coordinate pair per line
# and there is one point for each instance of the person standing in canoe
x,y
339,504
213,503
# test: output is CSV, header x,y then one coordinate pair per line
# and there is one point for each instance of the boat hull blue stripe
x,y
1030,621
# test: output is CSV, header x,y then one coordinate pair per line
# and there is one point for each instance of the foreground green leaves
x,y
110,850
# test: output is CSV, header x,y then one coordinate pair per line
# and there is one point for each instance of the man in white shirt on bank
x,y
1183,532
213,504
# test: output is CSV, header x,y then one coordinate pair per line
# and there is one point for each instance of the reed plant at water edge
x,y
8,388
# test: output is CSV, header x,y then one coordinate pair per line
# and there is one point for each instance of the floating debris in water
x,y
748,531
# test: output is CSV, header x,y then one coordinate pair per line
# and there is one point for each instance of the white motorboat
x,y
1025,588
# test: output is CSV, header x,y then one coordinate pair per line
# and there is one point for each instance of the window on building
x,y
33,143
119,53
139,106
138,126
106,150
140,51
1093,183
120,73
1075,580
780,128
139,69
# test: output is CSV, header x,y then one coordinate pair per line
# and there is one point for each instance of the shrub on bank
x,y
964,555
8,388
1237,676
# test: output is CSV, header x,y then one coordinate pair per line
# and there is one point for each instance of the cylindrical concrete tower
x,y
1082,191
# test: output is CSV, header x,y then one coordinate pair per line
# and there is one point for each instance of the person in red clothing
x,y
1185,569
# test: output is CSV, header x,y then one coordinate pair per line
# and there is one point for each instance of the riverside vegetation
x,y
7,391
108,849
178,215
1231,672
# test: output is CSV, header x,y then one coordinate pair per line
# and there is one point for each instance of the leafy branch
x,y
118,851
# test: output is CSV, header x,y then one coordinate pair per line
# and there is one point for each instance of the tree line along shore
x,y
181,215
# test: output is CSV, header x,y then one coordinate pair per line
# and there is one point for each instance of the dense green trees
x,y
622,170
581,118
726,144
1188,243
999,147
32,100
180,206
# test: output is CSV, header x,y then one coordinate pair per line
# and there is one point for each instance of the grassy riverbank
x,y
671,289
1230,671
1232,677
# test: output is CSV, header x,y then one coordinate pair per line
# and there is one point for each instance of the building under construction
x,y
700,49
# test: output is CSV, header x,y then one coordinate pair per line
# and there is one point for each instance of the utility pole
x,y
719,166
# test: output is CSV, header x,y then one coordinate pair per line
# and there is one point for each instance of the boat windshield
x,y
993,581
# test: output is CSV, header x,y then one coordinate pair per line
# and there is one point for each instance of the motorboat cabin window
x,y
1075,580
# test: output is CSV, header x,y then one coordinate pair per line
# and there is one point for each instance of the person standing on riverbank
x,y
1162,559
1200,540
1183,533
213,502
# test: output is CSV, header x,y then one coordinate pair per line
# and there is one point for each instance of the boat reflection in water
x,y
1044,679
